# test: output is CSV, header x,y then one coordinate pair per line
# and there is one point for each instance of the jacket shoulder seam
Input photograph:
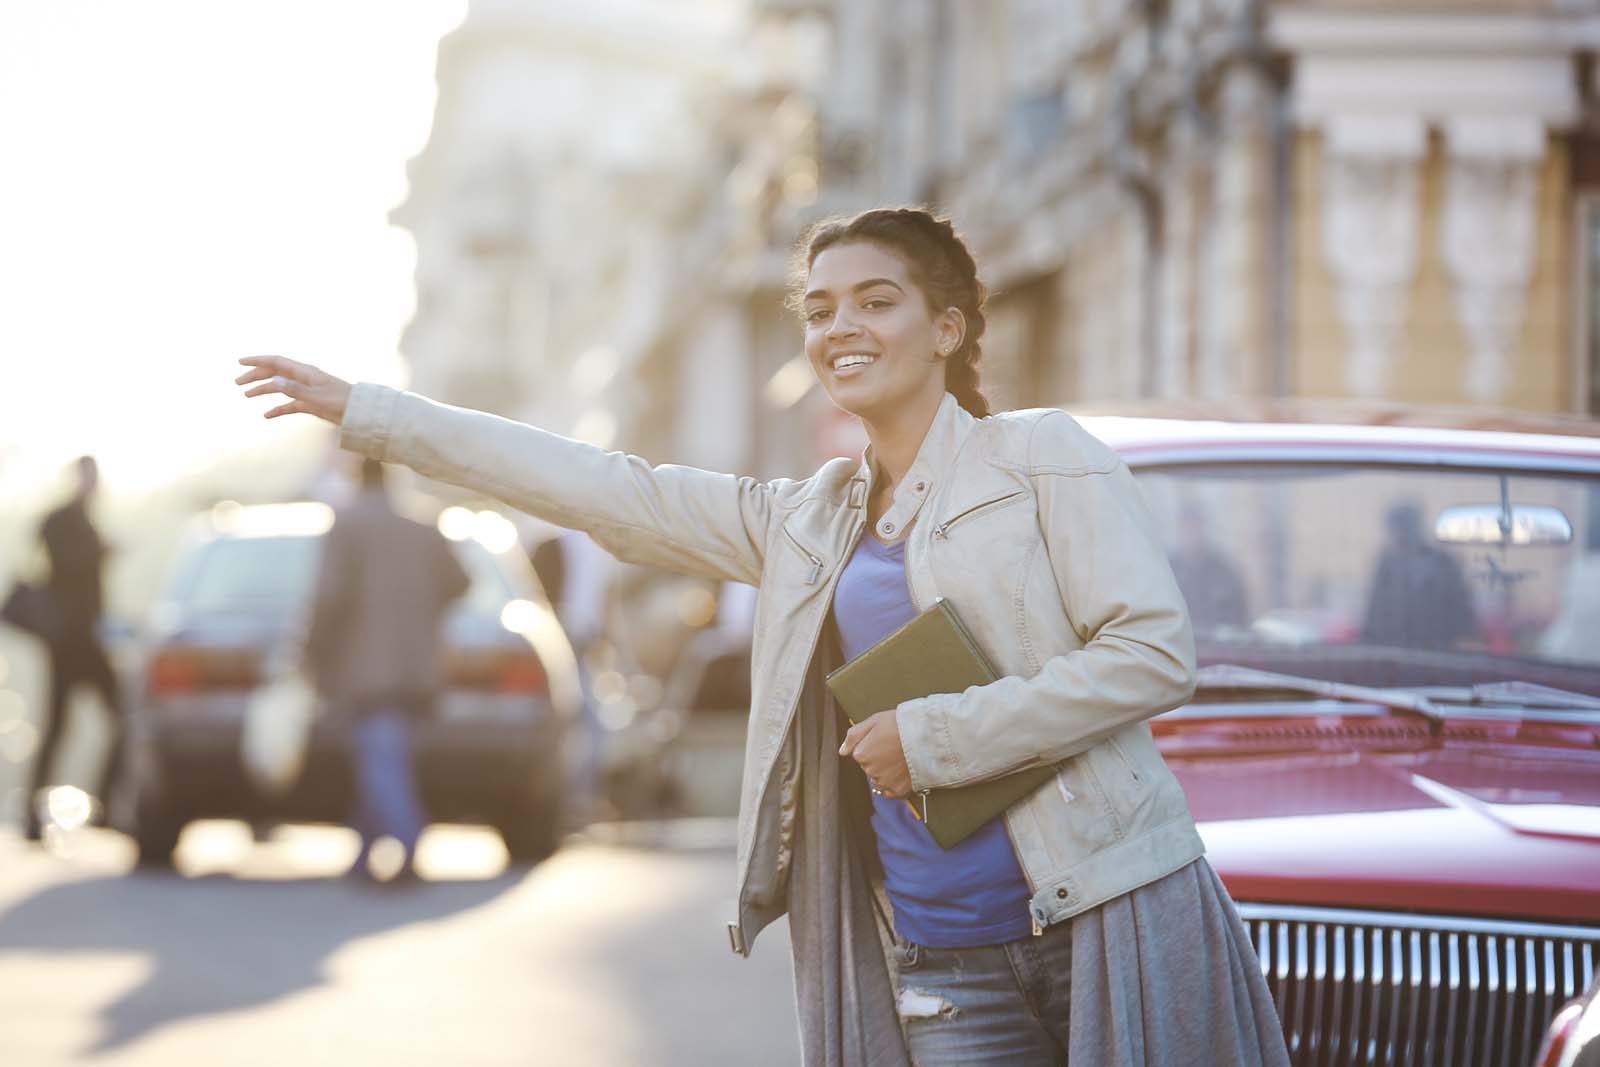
x,y
1107,465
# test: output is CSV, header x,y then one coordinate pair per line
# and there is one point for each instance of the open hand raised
x,y
310,390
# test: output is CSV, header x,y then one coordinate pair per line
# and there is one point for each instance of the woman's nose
x,y
841,325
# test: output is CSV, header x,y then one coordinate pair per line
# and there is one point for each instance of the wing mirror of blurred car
x,y
115,630
1493,524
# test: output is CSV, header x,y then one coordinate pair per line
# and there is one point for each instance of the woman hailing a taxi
x,y
1083,923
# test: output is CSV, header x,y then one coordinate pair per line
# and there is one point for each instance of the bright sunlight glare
x,y
192,182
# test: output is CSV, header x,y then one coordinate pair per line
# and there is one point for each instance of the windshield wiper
x,y
1531,695
1226,677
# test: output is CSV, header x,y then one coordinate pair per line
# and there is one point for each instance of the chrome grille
x,y
1367,988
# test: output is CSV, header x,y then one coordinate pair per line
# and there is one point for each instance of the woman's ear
x,y
951,329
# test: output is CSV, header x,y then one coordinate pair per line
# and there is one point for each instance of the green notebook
x,y
933,653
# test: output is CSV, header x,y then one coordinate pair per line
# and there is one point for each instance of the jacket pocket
x,y
813,561
1076,801
1128,770
942,531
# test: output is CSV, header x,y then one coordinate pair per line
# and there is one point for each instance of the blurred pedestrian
x,y
1212,587
374,650
77,656
1085,921
1419,597
1571,635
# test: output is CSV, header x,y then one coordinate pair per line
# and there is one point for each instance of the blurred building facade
x,y
1171,199
1221,198
566,164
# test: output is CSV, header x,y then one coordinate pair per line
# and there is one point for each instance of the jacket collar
x,y
947,433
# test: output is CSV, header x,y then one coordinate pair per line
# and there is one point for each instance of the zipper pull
x,y
816,571
1038,927
924,796
941,532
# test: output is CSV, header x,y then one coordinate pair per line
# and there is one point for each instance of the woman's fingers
x,y
874,743
294,407
260,367
276,384
851,738
276,366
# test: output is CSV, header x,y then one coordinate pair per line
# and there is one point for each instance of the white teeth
x,y
852,361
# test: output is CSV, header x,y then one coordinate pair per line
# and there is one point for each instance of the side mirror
x,y
1490,524
116,630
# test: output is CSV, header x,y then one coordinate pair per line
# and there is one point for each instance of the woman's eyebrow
x,y
858,287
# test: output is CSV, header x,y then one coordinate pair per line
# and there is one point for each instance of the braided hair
x,y
940,264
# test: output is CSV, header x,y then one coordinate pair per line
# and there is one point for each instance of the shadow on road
x,y
221,944
698,1003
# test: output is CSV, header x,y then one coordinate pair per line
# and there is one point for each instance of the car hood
x,y
1451,828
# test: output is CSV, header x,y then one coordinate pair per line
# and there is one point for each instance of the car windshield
x,y
1387,576
273,576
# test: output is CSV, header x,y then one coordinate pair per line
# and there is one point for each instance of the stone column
x,y
1175,344
1233,311
1489,237
1370,212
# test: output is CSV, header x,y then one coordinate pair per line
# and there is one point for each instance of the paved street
x,y
610,953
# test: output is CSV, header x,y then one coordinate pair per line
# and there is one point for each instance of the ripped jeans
x,y
992,1005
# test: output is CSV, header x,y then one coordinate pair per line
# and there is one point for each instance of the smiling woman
x,y
1035,533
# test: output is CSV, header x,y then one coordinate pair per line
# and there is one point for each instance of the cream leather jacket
x,y
1033,529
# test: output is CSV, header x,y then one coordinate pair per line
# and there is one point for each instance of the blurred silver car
x,y
494,751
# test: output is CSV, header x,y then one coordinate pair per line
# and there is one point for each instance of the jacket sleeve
x,y
1117,587
680,518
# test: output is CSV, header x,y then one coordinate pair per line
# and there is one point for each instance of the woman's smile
x,y
852,364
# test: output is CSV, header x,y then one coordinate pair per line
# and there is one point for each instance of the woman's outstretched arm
x,y
681,518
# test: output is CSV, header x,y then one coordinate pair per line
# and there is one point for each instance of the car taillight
x,y
502,672
181,671
523,674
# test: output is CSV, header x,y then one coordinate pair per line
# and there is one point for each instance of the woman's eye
x,y
875,303
816,316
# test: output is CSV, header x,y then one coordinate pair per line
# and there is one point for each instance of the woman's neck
x,y
898,438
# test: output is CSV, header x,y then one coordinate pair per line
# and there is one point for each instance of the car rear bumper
x,y
466,770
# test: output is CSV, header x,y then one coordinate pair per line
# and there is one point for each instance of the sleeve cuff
x,y
368,422
930,761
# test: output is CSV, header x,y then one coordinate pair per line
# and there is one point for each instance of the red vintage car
x,y
1394,751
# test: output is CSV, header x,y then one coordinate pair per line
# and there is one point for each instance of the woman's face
x,y
870,336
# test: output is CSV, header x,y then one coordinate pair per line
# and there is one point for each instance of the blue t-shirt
x,y
973,894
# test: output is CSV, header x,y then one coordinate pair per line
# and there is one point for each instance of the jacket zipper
x,y
942,531
736,928
816,563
